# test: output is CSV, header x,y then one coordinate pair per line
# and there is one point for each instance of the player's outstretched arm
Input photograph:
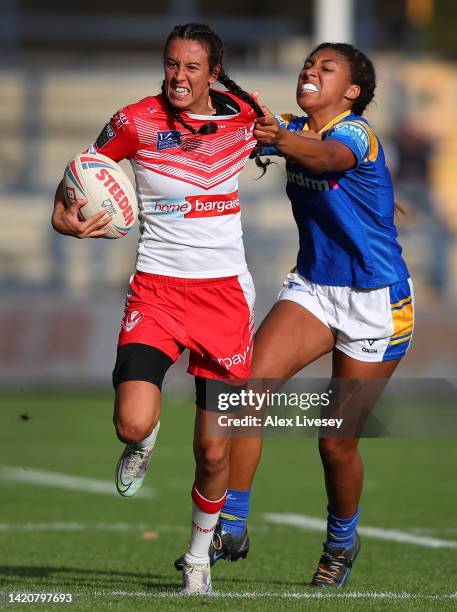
x,y
66,220
318,156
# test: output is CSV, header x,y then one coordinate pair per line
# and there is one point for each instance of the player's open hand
x,y
267,129
68,220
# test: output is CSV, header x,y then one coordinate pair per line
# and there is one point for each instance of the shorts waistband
x,y
177,281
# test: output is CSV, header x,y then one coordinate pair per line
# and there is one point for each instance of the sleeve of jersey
x,y
291,123
119,138
354,136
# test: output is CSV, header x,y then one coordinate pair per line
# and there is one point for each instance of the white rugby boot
x,y
132,466
196,578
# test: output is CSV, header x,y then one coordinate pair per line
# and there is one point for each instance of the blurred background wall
x,y
65,68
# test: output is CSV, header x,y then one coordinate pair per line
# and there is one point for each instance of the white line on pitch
x,y
64,481
391,535
75,526
71,526
431,531
279,595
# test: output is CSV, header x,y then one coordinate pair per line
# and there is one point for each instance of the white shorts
x,y
368,324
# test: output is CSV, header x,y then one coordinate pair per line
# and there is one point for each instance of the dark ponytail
x,y
236,90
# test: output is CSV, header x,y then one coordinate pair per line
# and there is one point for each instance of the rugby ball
x,y
102,182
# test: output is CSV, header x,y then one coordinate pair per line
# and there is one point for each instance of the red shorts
x,y
213,318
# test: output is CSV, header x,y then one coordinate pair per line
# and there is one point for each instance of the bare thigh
x,y
357,386
289,338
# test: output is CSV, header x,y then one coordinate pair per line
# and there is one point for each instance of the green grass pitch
x,y
93,546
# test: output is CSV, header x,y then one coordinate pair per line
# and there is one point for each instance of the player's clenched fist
x,y
267,129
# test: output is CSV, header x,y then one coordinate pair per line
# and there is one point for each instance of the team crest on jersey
x,y
168,140
132,319
247,132
105,136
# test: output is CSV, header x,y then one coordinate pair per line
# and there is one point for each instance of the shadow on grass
x,y
83,577
116,579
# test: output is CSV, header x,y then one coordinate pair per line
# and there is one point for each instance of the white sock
x,y
151,439
203,525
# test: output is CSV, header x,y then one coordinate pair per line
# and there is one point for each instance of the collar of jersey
x,y
211,117
331,123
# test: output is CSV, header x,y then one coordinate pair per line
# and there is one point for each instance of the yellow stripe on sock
x,y
228,517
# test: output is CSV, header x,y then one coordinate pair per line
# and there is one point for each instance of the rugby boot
x,y
224,546
335,565
132,466
196,579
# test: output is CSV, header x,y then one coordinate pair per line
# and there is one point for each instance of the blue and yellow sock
x,y
341,532
235,512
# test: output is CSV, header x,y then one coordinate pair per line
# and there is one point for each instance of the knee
x,y
132,431
337,452
212,458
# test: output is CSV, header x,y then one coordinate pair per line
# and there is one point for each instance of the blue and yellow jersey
x,y
345,219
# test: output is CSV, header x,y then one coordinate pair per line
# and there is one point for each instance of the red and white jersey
x,y
187,185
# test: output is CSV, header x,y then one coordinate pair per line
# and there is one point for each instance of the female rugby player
x,y
350,293
192,288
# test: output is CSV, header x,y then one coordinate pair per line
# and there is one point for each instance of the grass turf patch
x,y
94,545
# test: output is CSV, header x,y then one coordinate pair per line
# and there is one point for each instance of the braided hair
x,y
361,70
208,38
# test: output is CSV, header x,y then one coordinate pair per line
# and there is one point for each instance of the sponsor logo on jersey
x,y
168,140
105,136
196,206
213,205
173,208
121,119
297,178
132,319
356,133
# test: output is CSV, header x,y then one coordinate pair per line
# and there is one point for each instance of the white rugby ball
x,y
102,182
